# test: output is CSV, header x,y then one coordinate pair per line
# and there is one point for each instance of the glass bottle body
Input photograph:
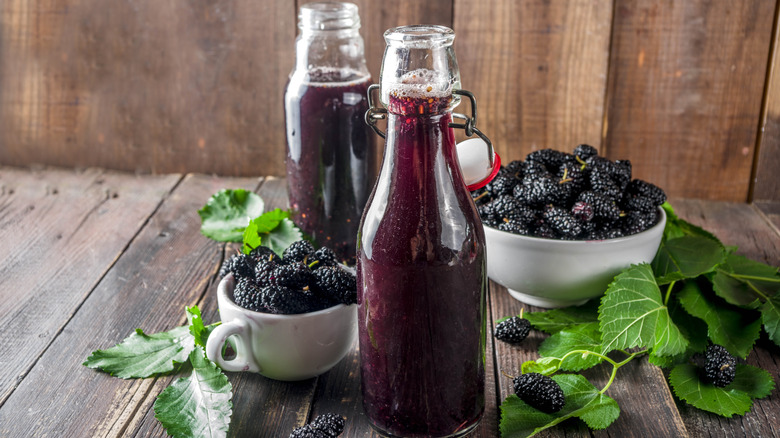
x,y
331,155
421,282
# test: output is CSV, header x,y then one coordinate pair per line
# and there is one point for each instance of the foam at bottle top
x,y
334,77
420,83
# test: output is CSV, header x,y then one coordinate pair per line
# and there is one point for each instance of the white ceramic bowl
x,y
281,347
560,273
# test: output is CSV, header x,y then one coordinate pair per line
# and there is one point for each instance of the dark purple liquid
x,y
331,157
421,286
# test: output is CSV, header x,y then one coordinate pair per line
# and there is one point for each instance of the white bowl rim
x,y
222,288
661,222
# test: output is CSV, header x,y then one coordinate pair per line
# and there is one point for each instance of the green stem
x,y
618,365
669,292
615,365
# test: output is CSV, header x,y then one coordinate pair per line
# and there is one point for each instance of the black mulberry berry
x,y
638,187
297,251
332,281
323,257
282,300
514,227
540,392
585,151
247,295
561,221
721,366
502,185
513,330
324,426
550,158
241,265
295,275
331,424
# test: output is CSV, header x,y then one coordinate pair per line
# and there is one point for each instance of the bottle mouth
x,y
328,16
420,36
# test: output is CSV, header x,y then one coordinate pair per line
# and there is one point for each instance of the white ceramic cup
x,y
281,347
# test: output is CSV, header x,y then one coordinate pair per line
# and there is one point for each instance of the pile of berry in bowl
x,y
559,226
290,318
302,280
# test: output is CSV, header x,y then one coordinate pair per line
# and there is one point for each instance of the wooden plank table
x,y
89,255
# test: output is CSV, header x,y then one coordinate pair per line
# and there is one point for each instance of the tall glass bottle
x,y
331,155
421,254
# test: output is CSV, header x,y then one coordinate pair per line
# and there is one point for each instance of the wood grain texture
x,y
181,86
686,81
771,210
759,241
766,182
61,232
538,70
166,267
637,387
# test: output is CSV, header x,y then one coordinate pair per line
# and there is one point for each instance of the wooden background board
x,y
196,86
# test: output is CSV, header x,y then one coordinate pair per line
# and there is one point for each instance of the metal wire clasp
x,y
375,112
469,125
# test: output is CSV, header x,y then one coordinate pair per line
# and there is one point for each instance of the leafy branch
x,y
710,295
197,405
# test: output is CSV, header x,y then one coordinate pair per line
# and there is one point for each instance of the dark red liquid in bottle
x,y
421,282
331,156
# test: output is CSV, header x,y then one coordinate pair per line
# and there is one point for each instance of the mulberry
x,y
297,251
721,366
282,300
513,330
324,426
540,392
336,283
247,295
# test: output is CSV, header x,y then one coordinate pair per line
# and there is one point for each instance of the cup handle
x,y
244,360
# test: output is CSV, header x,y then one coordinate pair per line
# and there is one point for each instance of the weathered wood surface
x,y
538,70
678,88
151,261
767,181
61,231
685,91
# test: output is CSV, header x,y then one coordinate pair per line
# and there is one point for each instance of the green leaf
x,y
726,326
283,236
227,213
141,355
273,229
198,405
632,314
676,227
583,400
553,321
754,381
543,365
686,257
727,401
744,282
770,316
580,337
199,332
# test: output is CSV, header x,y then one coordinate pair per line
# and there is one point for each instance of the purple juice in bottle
x,y
331,156
421,281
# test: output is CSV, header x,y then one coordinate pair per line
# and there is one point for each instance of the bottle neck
x,y
333,50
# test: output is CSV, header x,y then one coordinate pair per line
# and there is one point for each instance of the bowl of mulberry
x,y
282,347
558,273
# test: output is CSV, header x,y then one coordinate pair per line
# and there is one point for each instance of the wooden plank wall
x,y
686,90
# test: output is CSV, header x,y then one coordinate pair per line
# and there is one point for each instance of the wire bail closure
x,y
469,125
